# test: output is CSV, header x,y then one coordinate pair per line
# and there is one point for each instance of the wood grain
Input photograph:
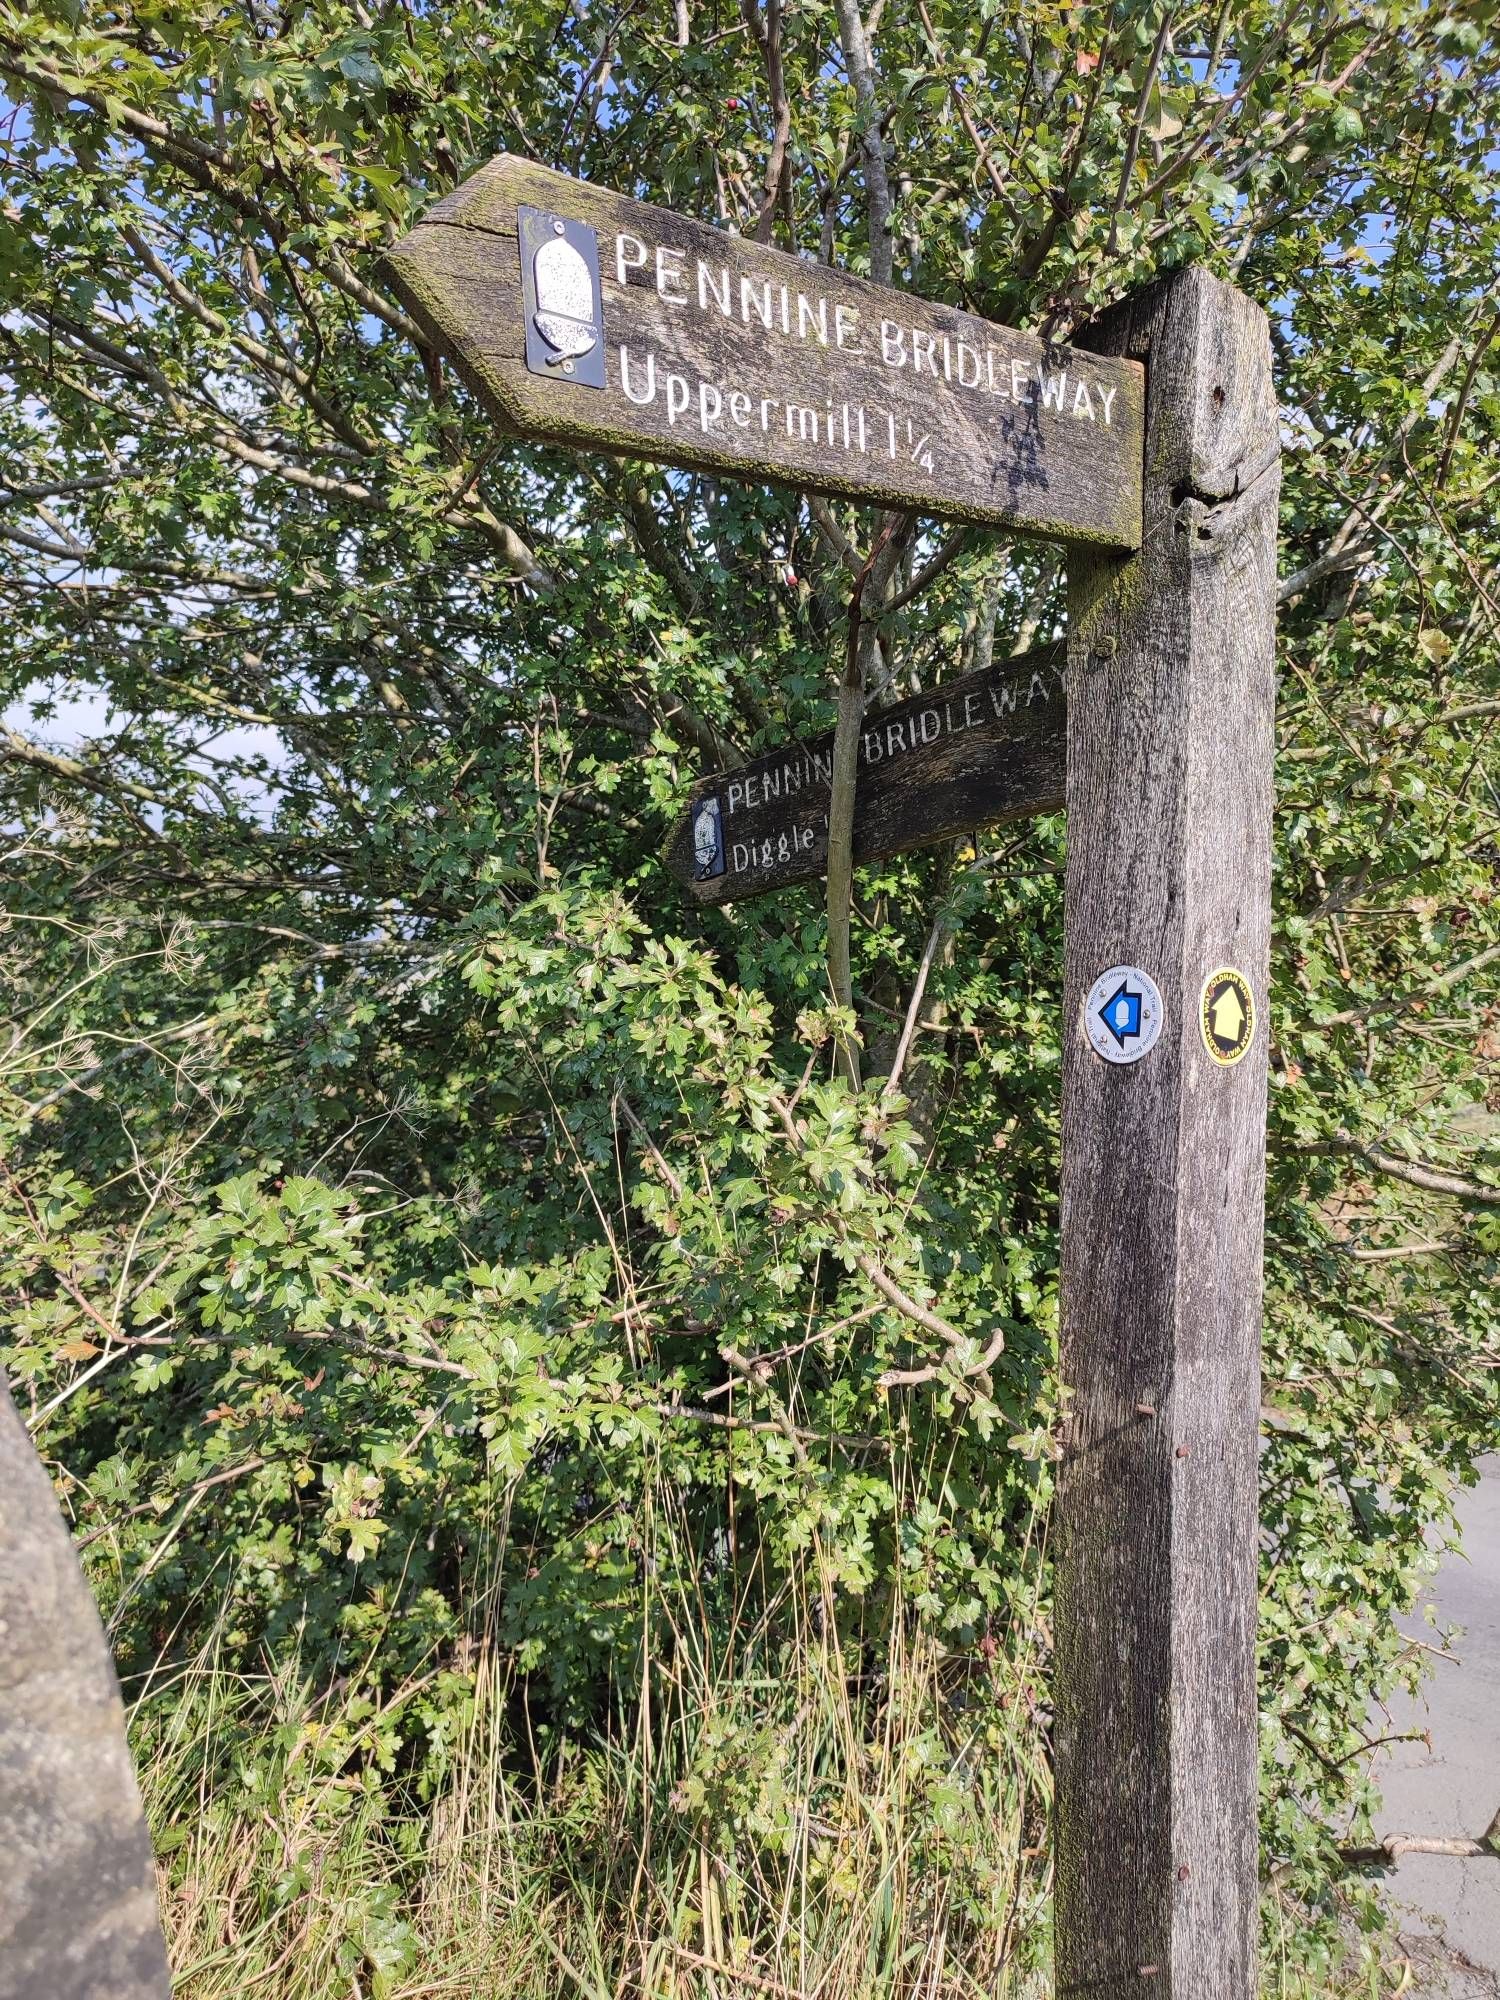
x,y
77,1900
982,749
851,389
1170,735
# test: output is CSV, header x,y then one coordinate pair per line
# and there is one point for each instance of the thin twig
x,y
1133,144
1435,1180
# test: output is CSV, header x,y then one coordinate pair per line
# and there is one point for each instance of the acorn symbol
x,y
564,298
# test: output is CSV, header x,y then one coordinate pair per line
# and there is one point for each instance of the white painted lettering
x,y
707,284
678,396
817,319
967,353
920,725
892,344
748,299
635,260
710,405
767,403
895,738
871,745
669,273
739,408
630,395
971,710
805,422
740,857
1082,407
1018,382
1106,398
846,329
923,347
1054,388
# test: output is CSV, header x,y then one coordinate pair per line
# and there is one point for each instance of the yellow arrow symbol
x,y
1227,1016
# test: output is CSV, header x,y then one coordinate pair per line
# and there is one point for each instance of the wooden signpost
x,y
1151,450
985,748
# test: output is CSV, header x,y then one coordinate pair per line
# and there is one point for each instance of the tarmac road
x,y
1449,1909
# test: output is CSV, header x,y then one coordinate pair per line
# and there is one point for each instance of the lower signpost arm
x,y
1170,695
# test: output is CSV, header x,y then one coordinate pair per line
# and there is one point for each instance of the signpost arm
x,y
1170,691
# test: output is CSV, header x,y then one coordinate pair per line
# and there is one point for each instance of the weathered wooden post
x,y
1169,757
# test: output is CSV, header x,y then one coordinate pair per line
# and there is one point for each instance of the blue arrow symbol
x,y
1121,1014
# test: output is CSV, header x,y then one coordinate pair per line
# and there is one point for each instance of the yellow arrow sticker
x,y
1227,1015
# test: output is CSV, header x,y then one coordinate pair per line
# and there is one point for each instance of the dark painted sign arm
x,y
975,752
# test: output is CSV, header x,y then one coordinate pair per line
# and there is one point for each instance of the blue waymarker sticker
x,y
1123,1014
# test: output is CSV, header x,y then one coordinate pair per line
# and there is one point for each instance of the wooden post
x,y
1170,695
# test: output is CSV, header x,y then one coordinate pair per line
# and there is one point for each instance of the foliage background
x,y
440,1267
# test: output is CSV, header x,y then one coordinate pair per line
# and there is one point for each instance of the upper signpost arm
x,y
707,350
1170,693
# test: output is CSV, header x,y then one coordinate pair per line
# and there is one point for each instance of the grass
x,y
776,1815
743,1831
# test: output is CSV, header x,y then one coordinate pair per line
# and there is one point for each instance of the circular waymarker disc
x,y
1227,1015
1123,1014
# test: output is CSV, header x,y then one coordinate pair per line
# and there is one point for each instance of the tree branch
x,y
1436,1180
768,35
1395,1845
871,138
